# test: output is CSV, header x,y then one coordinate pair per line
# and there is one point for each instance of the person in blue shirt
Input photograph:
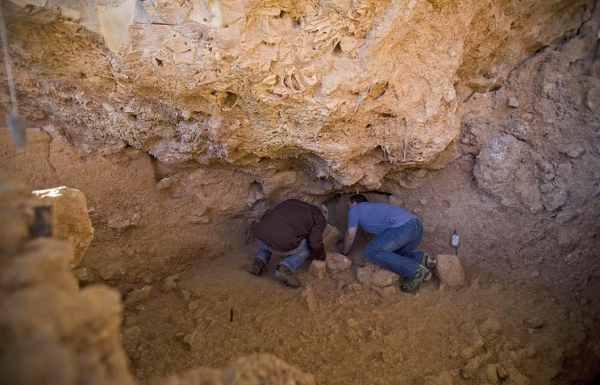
x,y
398,232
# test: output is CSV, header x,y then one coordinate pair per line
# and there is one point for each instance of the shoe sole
x,y
255,270
285,279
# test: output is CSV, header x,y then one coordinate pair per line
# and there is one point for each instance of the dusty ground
x,y
354,336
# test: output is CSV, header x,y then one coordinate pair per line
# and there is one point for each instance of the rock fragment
x,y
309,300
450,272
337,263
331,237
71,219
136,297
318,269
384,278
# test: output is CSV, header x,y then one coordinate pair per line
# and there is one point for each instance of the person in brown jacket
x,y
293,229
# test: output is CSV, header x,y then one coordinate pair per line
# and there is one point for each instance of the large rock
x,y
70,218
450,271
331,237
337,263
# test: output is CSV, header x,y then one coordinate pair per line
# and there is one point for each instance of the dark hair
x,y
358,198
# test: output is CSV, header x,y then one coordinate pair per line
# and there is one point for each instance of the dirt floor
x,y
486,333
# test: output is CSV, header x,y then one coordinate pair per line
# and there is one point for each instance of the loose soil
x,y
488,332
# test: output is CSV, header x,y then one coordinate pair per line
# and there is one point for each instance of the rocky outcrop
x,y
345,91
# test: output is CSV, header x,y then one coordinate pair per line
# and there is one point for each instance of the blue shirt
x,y
377,217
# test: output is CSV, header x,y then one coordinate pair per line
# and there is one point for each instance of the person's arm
x,y
349,239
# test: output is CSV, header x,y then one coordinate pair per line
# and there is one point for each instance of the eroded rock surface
x,y
351,89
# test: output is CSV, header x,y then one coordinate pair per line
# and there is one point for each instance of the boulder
x,y
70,218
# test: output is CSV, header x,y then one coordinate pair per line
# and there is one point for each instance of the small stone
x,y
69,13
534,322
193,340
194,305
137,296
396,201
185,294
114,270
169,286
386,293
535,274
164,183
318,269
309,300
84,275
513,102
423,202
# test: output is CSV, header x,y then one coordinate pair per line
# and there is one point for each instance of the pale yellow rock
x,y
114,22
331,237
318,269
71,219
336,263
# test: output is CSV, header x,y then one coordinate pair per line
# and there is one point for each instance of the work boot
x,y
413,284
285,275
257,266
428,260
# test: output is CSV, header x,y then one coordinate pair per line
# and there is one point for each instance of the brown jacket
x,y
286,225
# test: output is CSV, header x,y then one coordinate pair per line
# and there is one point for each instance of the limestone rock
x,y
70,218
123,221
387,292
450,272
364,274
309,300
318,269
170,284
336,263
383,278
138,296
331,237
194,340
112,271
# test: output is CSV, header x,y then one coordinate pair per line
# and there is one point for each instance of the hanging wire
x,y
16,123
8,64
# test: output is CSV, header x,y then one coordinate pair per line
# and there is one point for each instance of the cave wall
x,y
183,123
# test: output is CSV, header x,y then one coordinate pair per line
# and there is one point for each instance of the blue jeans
x,y
393,248
293,259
